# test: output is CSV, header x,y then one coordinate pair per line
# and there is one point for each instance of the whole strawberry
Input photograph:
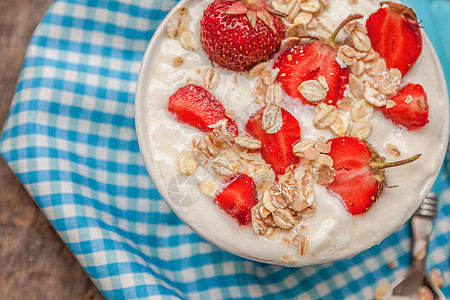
x,y
395,34
237,35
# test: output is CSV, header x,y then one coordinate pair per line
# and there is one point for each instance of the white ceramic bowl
x,y
151,95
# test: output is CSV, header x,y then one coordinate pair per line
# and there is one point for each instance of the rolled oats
x,y
357,68
373,96
287,258
393,149
340,125
258,225
361,129
322,160
376,66
383,292
220,135
310,6
279,5
204,149
293,9
268,75
267,201
361,41
230,114
188,41
177,61
408,99
392,264
425,293
345,104
306,148
325,175
303,245
178,22
211,78
361,111
256,70
187,164
325,117
248,142
277,197
223,166
313,90
436,278
283,219
356,86
390,104
208,187
303,18
272,119
388,82
273,233
371,55
273,94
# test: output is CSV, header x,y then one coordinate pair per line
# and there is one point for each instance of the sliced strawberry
x,y
277,147
360,175
395,35
354,181
409,112
308,62
195,106
238,197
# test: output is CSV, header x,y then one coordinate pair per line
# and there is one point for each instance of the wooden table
x,y
34,262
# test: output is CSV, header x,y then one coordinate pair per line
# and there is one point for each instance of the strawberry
x,y
360,176
277,147
309,61
395,35
237,35
238,197
411,108
195,106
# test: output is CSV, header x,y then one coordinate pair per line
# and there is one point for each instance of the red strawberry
x,y
360,176
238,197
409,112
308,62
277,147
395,35
237,35
195,106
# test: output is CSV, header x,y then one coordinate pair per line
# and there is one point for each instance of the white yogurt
x,y
332,232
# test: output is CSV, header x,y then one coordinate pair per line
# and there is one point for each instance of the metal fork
x,y
422,224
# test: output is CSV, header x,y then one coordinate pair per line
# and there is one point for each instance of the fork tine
x,y
429,206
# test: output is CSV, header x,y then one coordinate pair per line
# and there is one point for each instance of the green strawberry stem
x,y
380,166
332,39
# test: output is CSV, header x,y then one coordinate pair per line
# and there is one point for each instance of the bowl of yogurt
x,y
324,230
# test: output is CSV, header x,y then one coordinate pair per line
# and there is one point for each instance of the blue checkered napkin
x,y
70,138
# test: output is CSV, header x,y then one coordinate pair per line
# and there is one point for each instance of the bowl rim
x,y
144,142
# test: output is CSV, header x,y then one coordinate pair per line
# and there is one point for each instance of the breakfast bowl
x,y
197,168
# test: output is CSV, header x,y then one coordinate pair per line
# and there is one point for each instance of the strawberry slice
x,y
411,109
308,62
360,176
238,197
395,35
194,105
277,147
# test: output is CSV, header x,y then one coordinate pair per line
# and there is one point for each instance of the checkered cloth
x,y
70,138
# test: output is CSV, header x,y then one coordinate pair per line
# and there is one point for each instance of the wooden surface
x,y
34,262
